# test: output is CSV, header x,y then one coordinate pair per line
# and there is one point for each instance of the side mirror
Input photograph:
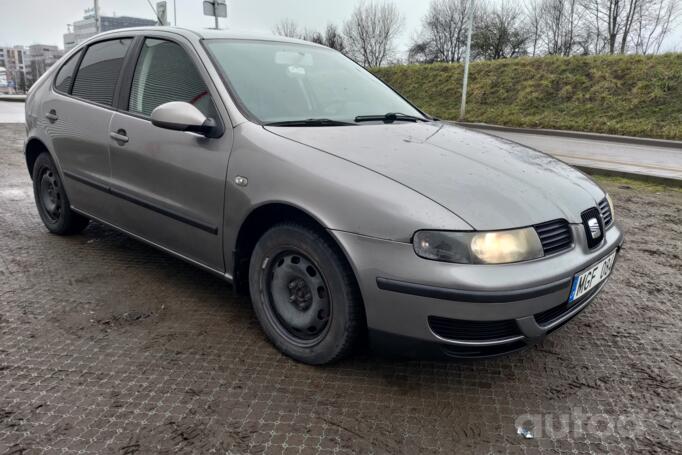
x,y
181,116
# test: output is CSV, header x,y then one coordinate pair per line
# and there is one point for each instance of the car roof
x,y
212,34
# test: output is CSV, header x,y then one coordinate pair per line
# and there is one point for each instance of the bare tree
x,y
500,32
567,27
287,27
420,52
443,37
371,32
331,37
595,41
653,22
533,23
618,17
334,39
604,24
560,19
620,26
313,36
628,21
503,28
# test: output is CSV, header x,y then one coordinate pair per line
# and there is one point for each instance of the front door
x,y
170,185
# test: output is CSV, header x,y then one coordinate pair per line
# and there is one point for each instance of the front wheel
x,y
51,199
304,294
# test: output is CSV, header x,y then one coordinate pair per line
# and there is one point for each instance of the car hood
x,y
489,182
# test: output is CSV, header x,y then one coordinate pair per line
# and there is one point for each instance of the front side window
x,y
65,75
280,82
165,73
99,71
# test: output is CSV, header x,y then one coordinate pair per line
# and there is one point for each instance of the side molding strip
x,y
119,194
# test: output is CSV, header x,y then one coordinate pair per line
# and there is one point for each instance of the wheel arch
x,y
262,218
34,147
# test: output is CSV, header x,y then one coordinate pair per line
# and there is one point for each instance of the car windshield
x,y
287,82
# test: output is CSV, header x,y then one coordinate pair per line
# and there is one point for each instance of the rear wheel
x,y
51,199
304,294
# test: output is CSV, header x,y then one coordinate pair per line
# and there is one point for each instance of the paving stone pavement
x,y
109,346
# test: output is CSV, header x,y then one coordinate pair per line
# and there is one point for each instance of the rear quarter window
x,y
65,75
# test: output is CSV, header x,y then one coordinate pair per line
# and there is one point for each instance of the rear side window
x,y
65,75
165,73
97,76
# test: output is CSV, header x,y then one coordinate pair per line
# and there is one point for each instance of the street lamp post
x,y
97,26
465,82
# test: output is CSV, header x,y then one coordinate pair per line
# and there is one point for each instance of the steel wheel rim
x,y
50,195
297,298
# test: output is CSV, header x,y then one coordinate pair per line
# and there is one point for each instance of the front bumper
x,y
415,306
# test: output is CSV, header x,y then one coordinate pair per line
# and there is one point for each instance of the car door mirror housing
x,y
181,116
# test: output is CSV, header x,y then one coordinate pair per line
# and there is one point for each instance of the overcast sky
x,y
44,21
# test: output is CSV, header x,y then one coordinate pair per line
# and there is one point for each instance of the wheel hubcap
x,y
51,195
298,297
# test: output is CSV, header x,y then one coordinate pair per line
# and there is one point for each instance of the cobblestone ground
x,y
108,346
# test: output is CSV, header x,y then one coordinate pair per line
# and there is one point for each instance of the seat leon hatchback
x,y
345,211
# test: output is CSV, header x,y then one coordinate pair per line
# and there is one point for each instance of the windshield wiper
x,y
390,118
311,122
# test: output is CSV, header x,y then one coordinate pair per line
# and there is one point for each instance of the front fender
x,y
341,195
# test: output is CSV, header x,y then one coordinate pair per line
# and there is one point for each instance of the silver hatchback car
x,y
287,169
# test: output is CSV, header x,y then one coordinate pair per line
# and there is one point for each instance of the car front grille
x,y
456,329
605,210
555,236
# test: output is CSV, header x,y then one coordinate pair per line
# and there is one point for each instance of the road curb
x,y
577,135
666,181
13,98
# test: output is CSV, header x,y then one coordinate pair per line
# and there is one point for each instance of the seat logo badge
x,y
241,181
595,230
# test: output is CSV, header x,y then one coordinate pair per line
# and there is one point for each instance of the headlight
x,y
613,209
498,247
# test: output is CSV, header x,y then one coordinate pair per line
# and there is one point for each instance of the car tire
x,y
52,202
304,294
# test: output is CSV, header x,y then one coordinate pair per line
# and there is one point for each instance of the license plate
x,y
590,278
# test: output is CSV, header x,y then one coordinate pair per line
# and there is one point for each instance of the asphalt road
x,y
109,346
638,159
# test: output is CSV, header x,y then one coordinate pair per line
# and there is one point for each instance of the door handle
x,y
52,116
119,136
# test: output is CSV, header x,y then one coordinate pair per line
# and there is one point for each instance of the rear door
x,y
77,115
170,184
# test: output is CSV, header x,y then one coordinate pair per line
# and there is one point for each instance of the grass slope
x,y
627,95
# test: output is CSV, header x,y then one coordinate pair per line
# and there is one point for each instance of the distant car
x,y
287,169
